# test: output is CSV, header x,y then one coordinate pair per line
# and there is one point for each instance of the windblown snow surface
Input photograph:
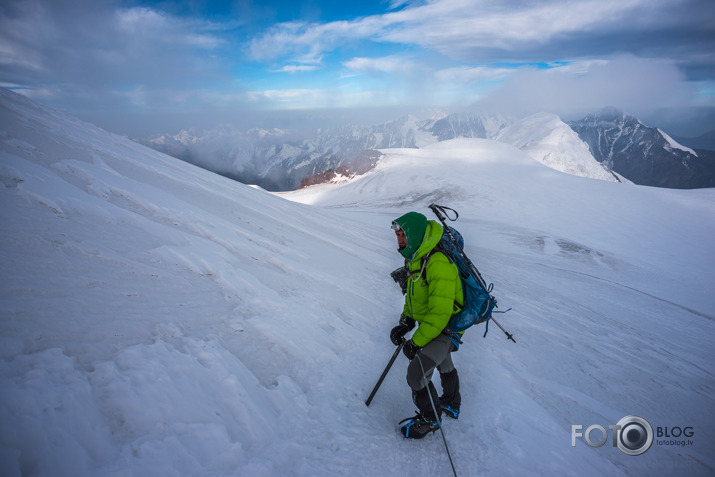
x,y
157,319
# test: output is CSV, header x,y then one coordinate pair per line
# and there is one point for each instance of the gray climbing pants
x,y
436,354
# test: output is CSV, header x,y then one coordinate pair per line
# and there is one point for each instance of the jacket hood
x,y
433,234
414,225
422,234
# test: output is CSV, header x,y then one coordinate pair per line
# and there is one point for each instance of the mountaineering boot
x,y
425,421
424,402
419,426
452,410
450,400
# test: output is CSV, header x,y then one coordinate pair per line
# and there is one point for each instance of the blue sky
x,y
153,66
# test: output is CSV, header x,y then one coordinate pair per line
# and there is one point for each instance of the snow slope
x,y
553,143
673,144
158,319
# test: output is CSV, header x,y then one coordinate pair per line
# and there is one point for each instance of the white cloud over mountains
x,y
115,59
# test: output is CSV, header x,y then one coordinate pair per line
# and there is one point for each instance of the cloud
x,y
318,98
461,76
482,32
309,40
297,68
393,64
140,19
94,56
91,45
636,85
288,96
456,27
301,65
639,55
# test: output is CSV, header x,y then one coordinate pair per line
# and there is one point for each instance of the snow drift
x,y
158,319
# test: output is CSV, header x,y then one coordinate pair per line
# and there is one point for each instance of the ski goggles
x,y
396,226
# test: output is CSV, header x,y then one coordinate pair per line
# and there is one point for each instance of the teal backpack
x,y
478,301
479,304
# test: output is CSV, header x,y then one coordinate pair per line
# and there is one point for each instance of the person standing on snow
x,y
434,294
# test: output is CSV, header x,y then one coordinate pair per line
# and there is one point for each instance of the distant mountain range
x,y
645,155
607,145
279,160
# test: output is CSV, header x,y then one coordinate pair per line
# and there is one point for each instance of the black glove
x,y
410,349
398,332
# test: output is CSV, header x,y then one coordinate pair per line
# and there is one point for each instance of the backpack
x,y
478,302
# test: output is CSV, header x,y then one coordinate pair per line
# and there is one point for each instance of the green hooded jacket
x,y
434,290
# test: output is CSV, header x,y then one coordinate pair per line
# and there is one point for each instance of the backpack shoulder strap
x,y
439,248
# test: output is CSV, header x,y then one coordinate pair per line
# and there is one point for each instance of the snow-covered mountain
x,y
643,154
459,125
278,160
549,140
158,319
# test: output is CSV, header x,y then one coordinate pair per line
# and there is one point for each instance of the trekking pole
x,y
438,211
434,409
384,373
509,336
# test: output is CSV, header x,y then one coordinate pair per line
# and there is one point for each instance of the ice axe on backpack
x,y
441,212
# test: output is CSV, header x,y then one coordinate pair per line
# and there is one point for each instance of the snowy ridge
x,y
553,143
158,319
676,145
